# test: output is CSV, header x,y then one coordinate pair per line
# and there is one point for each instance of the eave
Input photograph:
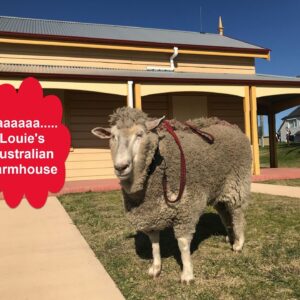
x,y
126,45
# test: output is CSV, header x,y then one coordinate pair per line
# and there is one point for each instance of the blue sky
x,y
268,23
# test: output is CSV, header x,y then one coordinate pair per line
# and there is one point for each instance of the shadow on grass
x,y
209,224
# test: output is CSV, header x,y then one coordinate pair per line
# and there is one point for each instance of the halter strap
x,y
170,129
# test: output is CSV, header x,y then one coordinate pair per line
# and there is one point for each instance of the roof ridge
x,y
109,25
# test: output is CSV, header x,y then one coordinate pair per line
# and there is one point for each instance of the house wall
x,y
157,106
283,131
183,106
130,60
89,157
294,130
215,64
228,108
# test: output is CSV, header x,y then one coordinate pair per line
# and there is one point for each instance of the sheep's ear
x,y
102,133
154,123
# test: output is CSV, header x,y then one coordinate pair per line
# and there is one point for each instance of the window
x,y
293,123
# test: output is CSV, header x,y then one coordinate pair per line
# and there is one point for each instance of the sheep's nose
x,y
121,167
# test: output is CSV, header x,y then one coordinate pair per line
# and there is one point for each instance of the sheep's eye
x,y
113,137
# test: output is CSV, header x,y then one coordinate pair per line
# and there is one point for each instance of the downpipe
x,y
172,64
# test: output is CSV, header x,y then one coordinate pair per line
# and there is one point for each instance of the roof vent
x,y
221,28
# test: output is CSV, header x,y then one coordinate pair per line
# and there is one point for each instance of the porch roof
x,y
145,76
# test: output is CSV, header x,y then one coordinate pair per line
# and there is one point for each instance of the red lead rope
x,y
170,129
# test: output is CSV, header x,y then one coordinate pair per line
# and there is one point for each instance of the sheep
x,y
218,174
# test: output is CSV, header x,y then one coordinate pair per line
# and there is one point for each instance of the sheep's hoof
x,y
187,278
238,246
154,271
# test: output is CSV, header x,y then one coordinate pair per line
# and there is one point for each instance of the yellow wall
x,y
152,89
272,91
157,106
90,157
228,108
215,64
116,88
183,106
130,60
189,106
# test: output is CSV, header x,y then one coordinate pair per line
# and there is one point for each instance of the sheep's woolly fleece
x,y
126,118
217,173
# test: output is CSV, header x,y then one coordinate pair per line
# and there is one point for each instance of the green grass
x,y
268,267
288,155
290,182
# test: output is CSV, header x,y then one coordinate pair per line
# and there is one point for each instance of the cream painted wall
x,y
188,107
99,87
272,91
152,89
12,53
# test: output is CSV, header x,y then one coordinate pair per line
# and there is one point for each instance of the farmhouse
x,y
96,68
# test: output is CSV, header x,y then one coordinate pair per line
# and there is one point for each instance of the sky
x,y
271,24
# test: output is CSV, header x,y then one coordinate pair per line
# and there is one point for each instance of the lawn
x,y
288,155
268,267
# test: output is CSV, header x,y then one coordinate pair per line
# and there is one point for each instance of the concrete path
x,y
43,256
281,190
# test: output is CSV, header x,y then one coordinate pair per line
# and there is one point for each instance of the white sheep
x,y
217,174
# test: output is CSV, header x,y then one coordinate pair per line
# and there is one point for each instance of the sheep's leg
x,y
226,218
155,269
184,244
238,222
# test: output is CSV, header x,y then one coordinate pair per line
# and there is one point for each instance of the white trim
x,y
130,93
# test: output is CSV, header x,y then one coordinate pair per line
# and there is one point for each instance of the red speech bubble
x,y
34,145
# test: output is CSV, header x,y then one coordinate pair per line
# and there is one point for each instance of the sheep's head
x,y
129,136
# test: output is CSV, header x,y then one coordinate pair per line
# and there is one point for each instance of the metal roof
x,y
118,33
113,74
294,114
